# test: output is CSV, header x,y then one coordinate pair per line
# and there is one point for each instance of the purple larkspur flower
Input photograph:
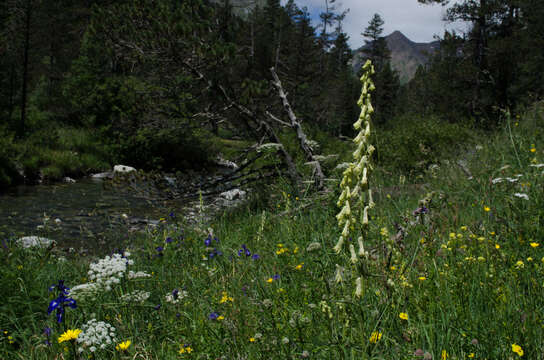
x,y
169,240
276,277
208,240
175,294
255,257
159,249
158,307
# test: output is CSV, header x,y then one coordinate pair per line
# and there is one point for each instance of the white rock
x,y
233,194
68,180
34,241
123,169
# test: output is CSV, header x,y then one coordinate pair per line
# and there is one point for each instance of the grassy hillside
x,y
462,278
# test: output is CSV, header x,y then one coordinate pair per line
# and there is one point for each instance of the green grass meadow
x,y
464,280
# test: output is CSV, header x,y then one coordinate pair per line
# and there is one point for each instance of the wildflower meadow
x,y
447,265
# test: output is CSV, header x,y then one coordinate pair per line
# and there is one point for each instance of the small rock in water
x,y
68,180
123,169
34,241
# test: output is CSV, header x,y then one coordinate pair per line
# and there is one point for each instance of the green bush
x,y
412,144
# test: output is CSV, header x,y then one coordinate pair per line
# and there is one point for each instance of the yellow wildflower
x,y
471,355
225,298
123,346
69,335
517,349
403,316
375,337
534,244
183,349
422,278
487,208
220,317
269,280
299,266
251,339
497,246
444,355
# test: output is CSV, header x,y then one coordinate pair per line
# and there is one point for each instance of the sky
x,y
416,21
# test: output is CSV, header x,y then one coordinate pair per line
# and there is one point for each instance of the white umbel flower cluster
x,y
138,296
95,335
138,274
109,270
84,291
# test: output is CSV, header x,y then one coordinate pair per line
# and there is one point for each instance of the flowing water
x,y
91,215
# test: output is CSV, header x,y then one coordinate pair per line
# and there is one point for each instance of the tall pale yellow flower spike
x,y
355,199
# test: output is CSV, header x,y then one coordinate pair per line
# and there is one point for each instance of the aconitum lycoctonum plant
x,y
355,199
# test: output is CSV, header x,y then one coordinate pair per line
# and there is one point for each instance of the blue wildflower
x,y
276,277
215,253
169,240
213,316
175,294
255,257
208,240
158,307
60,287
60,303
244,250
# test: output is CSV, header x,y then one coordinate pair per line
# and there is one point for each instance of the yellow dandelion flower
x,y
422,278
452,235
517,349
520,264
534,244
497,246
269,280
464,228
487,208
403,316
529,259
220,317
123,346
251,339
299,266
69,335
471,355
533,150
375,337
444,355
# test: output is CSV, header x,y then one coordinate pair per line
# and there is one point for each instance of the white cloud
x,y
416,21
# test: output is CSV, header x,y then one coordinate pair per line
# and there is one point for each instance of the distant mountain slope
x,y
406,55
